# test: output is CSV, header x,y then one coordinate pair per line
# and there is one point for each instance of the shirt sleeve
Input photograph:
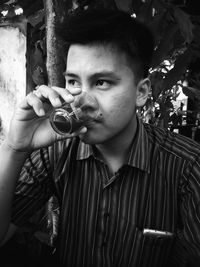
x,y
34,187
189,237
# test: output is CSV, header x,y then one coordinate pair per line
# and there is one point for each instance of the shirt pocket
x,y
151,250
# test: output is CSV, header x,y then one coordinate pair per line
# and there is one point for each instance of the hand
x,y
30,127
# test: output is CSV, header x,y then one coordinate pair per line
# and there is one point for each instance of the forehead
x,y
96,55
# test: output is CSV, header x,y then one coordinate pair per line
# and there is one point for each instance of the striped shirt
x,y
103,216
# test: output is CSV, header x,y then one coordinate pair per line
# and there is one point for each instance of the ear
x,y
142,91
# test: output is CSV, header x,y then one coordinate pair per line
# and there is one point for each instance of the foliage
x,y
177,47
177,42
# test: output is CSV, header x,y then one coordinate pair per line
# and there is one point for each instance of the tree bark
x,y
54,60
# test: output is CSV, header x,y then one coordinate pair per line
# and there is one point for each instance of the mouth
x,y
90,124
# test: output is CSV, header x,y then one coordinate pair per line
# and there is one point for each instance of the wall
x,y
12,72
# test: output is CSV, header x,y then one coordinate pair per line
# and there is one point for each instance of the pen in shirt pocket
x,y
157,233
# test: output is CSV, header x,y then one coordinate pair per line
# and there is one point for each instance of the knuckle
x,y
29,96
53,94
56,88
40,87
74,91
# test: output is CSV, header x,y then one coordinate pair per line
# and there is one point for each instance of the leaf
x,y
156,83
156,24
145,11
165,45
191,92
125,5
196,31
185,24
175,74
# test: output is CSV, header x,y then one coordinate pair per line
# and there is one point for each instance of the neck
x,y
115,151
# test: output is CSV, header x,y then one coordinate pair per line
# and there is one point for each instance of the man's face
x,y
105,73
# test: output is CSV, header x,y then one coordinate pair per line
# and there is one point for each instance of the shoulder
x,y
173,143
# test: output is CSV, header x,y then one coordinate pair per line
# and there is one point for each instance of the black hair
x,y
105,26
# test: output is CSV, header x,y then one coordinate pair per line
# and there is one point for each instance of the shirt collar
x,y
139,153
84,151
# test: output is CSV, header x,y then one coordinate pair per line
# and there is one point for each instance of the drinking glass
x,y
71,117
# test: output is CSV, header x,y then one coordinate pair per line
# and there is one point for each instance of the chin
x,y
88,139
91,138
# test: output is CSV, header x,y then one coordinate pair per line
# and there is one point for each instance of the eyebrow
x,y
65,73
109,74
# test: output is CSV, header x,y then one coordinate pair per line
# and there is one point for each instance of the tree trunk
x,y
54,60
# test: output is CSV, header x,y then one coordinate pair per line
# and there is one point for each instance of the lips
x,y
92,123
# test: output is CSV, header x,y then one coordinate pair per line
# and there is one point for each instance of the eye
x,y
73,83
103,83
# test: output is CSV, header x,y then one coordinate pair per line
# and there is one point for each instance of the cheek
x,y
120,108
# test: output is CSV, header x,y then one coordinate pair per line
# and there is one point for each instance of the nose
x,y
86,101
85,89
86,105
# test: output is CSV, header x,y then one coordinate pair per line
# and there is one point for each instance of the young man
x,y
129,192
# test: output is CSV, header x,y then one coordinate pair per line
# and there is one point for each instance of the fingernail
x,y
70,98
41,112
57,101
83,130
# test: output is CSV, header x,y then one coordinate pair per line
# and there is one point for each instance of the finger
x,y
65,136
67,95
68,90
47,103
74,90
55,95
35,103
82,130
47,95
